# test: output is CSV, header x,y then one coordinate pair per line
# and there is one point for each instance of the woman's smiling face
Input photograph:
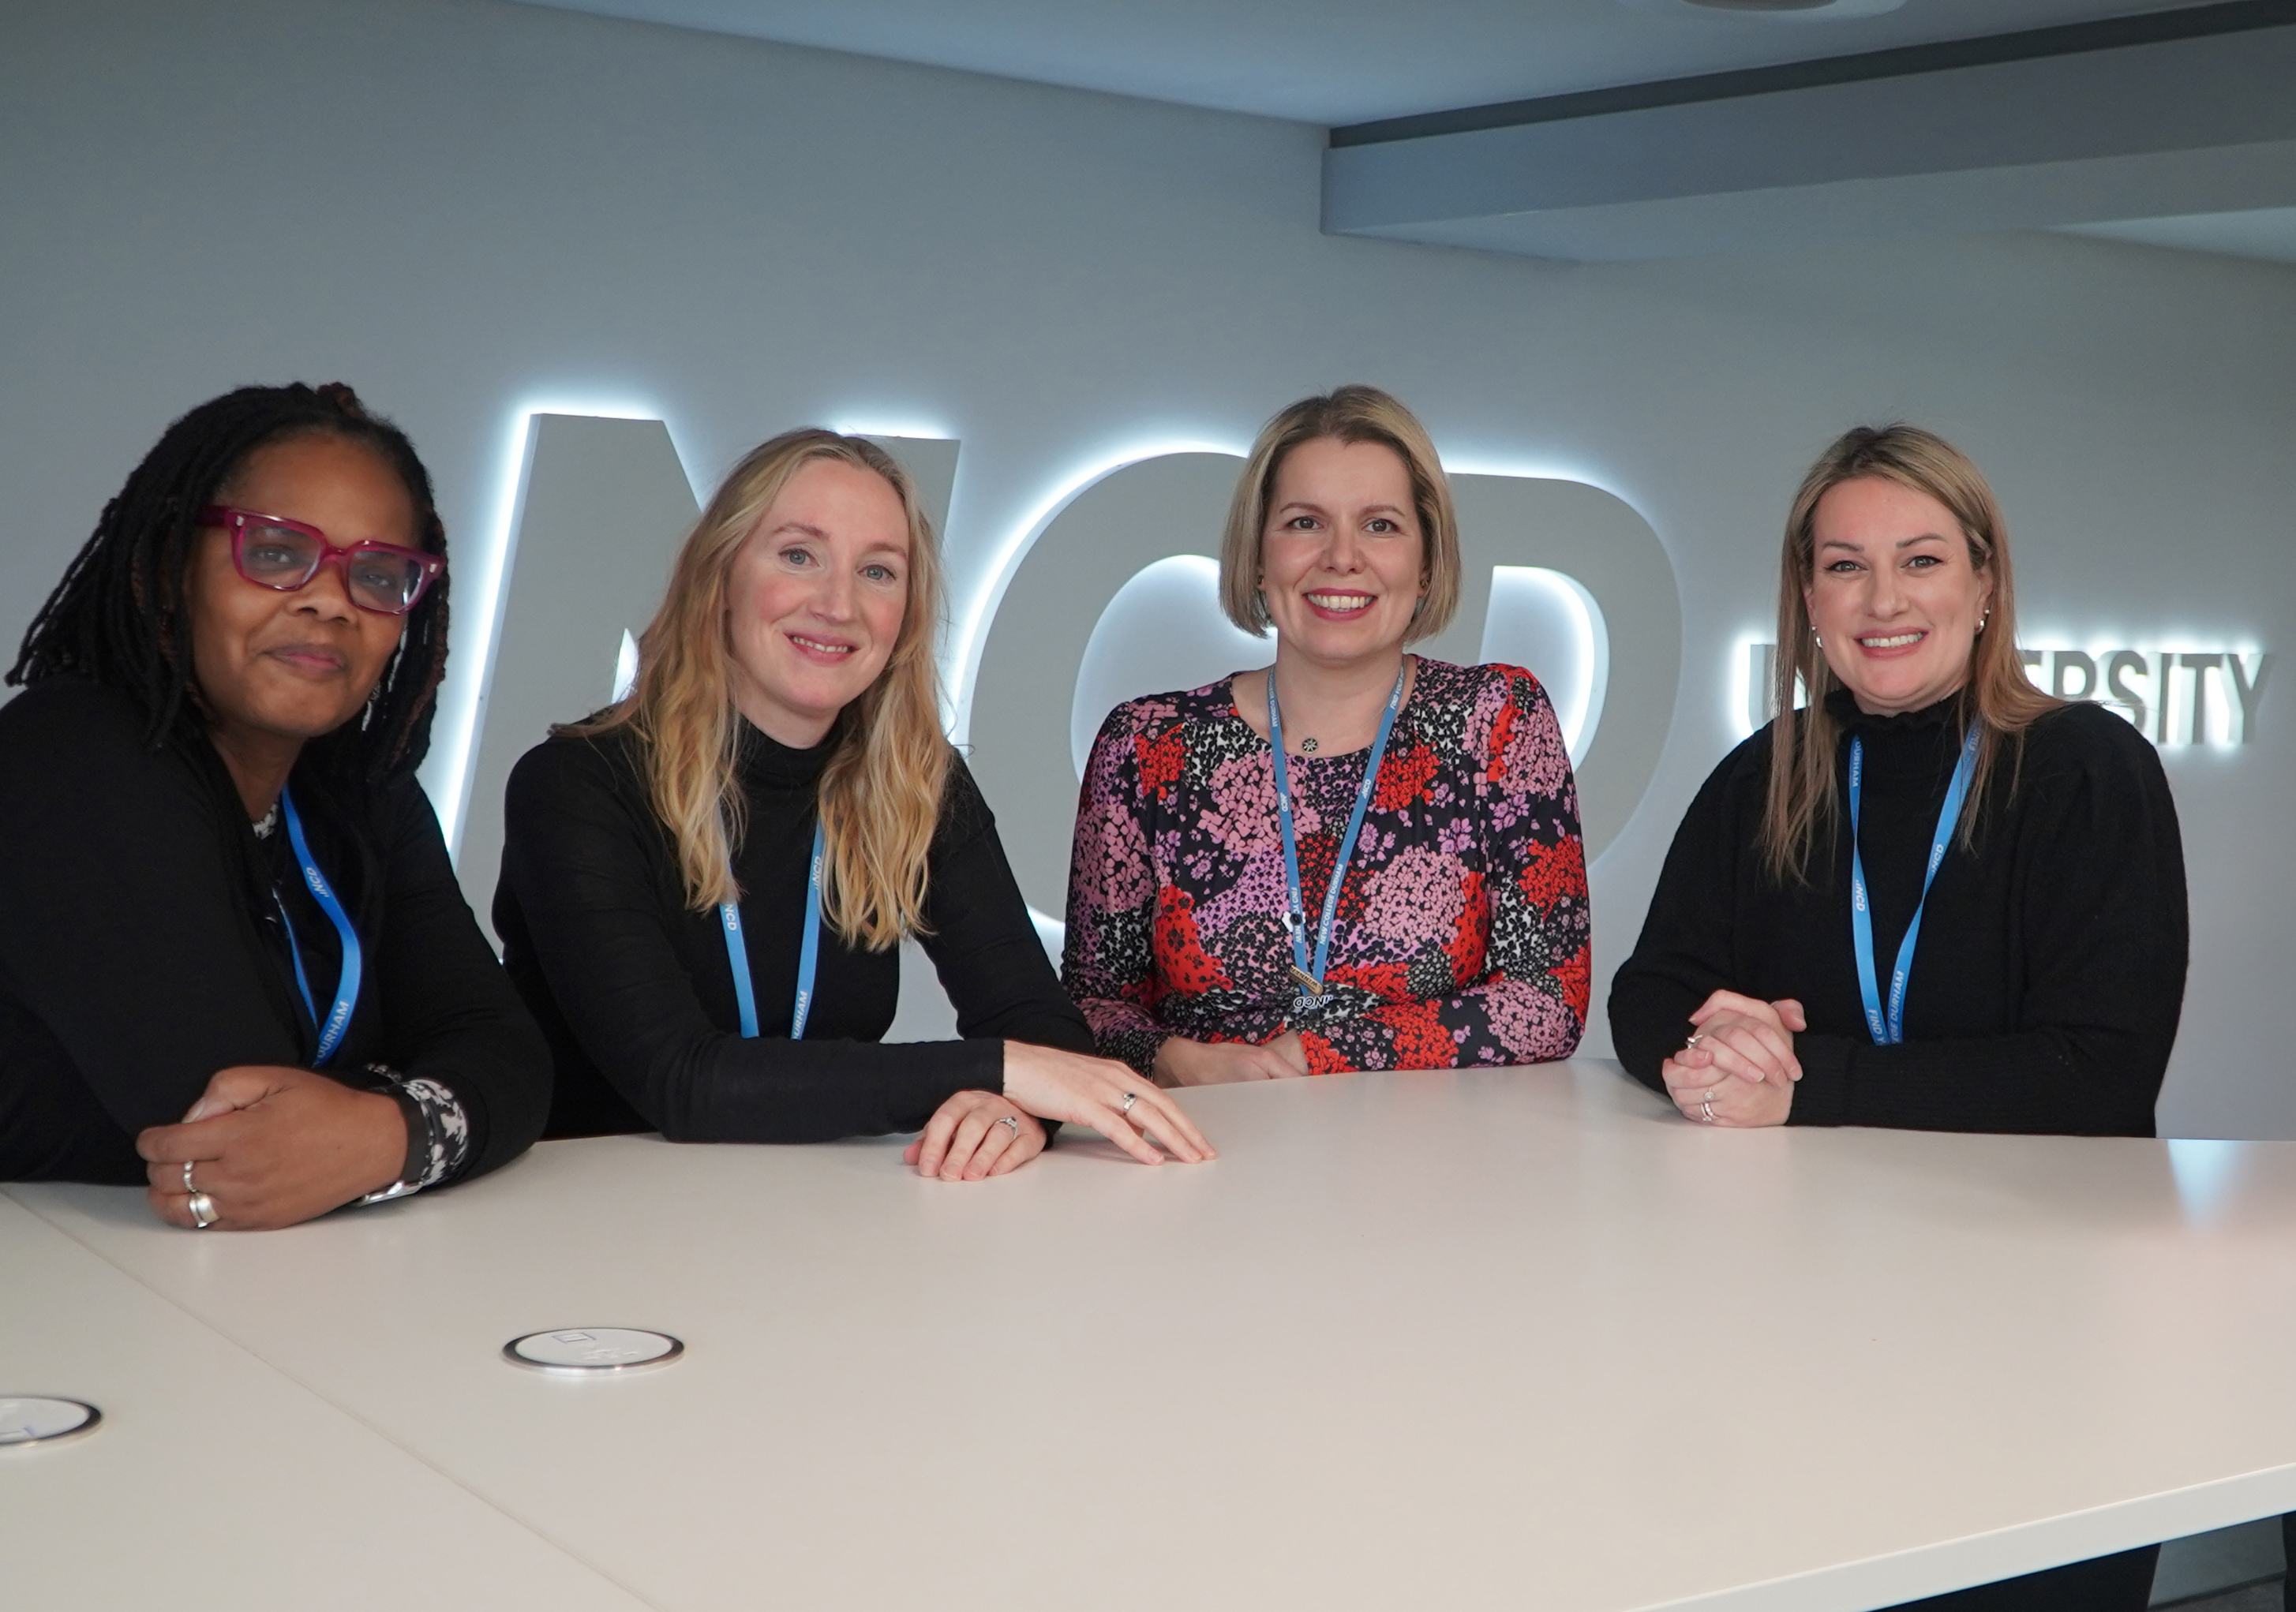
x,y
1894,595
1342,558
298,663
816,598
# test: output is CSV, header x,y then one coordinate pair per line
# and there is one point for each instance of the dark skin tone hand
x,y
272,1146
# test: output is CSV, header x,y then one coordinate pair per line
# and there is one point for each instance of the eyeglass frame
x,y
236,521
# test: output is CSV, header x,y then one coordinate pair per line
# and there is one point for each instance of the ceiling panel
x,y
1335,62
2270,234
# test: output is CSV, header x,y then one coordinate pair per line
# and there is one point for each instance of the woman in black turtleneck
x,y
2043,992
784,741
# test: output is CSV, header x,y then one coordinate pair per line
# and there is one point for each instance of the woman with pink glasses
x,y
239,969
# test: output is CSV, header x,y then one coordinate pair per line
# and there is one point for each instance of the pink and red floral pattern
x,y
1463,928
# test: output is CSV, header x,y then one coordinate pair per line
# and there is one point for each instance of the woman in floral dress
x,y
1205,942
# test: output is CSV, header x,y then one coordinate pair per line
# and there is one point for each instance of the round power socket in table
x,y
593,1349
34,1418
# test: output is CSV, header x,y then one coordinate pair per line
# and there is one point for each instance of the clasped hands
x,y
1182,1062
1739,1068
272,1146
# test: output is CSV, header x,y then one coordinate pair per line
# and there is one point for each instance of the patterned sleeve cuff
x,y
1137,1048
437,1132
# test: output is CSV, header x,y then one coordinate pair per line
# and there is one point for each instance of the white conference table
x,y
1515,1338
215,1481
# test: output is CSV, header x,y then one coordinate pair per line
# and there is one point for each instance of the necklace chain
x,y
1308,746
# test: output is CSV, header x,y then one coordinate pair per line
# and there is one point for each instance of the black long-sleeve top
x,y
635,992
142,947
2050,970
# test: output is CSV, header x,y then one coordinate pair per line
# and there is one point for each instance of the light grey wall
x,y
468,208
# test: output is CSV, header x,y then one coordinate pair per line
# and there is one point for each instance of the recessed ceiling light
x,y
1768,10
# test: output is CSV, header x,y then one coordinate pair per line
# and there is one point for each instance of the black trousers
x,y
2108,1584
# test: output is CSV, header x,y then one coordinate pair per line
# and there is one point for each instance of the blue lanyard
x,y
809,952
346,982
1310,976
1890,1031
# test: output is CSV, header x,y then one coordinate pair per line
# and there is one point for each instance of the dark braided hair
x,y
119,619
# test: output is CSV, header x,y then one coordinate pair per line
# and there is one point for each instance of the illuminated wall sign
x,y
1163,629
483,571
2172,696
1547,621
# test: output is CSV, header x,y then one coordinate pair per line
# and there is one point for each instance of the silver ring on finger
x,y
1695,1037
203,1211
1130,1099
1006,1119
1706,1108
188,1187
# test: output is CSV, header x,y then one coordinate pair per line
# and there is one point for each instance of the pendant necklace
x,y
1307,971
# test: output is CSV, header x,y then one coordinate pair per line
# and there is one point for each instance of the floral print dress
x,y
1462,928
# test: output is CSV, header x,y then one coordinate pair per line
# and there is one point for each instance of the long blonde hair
x,y
880,794
1352,414
1996,694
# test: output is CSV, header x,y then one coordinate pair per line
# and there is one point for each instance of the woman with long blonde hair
x,y
705,886
1933,896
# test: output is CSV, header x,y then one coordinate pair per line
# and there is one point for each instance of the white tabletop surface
x,y
213,1481
1516,1338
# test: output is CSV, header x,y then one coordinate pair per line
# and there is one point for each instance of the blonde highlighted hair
x,y
1804,790
880,795
1351,415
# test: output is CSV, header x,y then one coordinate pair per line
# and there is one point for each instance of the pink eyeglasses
x,y
274,553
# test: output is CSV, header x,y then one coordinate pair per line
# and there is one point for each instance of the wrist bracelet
x,y
438,1132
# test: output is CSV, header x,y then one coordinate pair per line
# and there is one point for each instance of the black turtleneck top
x,y
636,992
2050,969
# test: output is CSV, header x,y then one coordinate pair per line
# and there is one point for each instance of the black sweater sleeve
x,y
450,1013
1687,951
2082,870
135,969
982,943
584,867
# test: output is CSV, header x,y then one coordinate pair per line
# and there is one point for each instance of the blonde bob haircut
x,y
1351,415
1804,790
880,792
